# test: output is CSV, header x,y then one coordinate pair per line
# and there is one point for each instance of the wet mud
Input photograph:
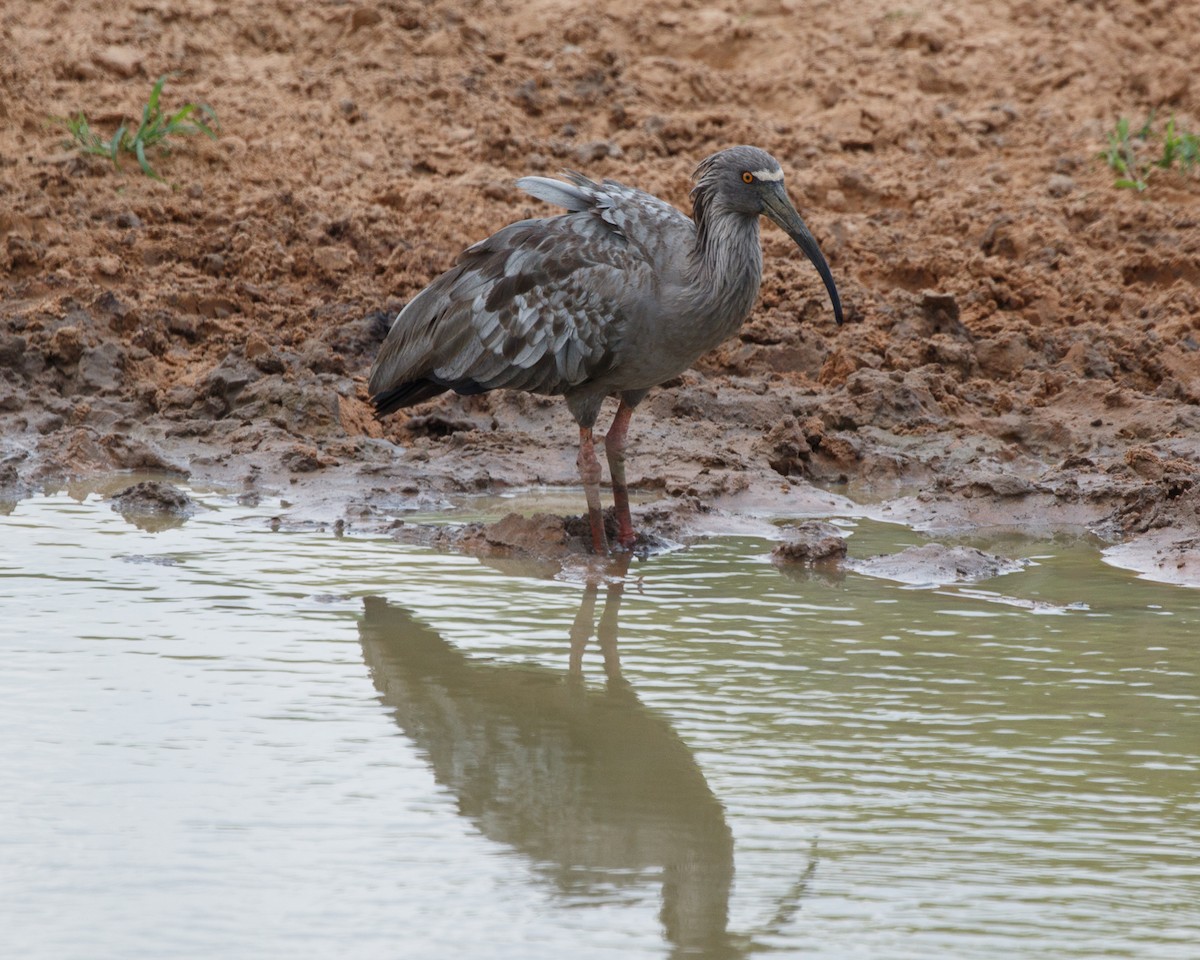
x,y
1023,340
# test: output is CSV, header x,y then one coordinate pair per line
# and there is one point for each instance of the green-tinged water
x,y
222,741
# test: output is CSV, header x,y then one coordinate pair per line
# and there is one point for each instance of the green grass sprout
x,y
1127,152
1184,147
156,128
1121,157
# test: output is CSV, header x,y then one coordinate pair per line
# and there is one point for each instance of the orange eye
x,y
747,177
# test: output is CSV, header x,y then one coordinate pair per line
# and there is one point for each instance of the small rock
x,y
930,34
182,326
228,378
334,259
121,316
302,458
12,349
102,368
320,359
66,346
811,542
364,17
1059,185
940,306
260,353
145,503
256,347
154,496
123,61
999,239
597,150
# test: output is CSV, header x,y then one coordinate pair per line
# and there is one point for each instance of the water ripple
x,y
209,731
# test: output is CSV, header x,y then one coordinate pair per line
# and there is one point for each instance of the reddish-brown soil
x,y
1023,340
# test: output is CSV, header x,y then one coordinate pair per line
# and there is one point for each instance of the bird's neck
x,y
727,262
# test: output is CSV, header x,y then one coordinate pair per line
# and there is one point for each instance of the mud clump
x,y
153,505
812,542
536,537
935,563
541,536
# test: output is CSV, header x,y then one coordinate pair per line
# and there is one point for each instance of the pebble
x,y
123,61
1059,185
108,266
334,259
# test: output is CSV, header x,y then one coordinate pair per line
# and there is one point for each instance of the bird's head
x,y
748,181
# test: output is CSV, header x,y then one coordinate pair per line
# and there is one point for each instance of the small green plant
x,y
1130,154
1184,147
152,133
1121,157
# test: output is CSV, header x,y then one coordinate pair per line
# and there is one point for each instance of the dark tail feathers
x,y
417,391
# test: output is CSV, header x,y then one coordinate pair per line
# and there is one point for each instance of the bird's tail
x,y
405,395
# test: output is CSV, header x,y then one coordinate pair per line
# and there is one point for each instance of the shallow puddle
x,y
223,740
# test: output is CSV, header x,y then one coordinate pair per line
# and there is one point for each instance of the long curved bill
x,y
779,208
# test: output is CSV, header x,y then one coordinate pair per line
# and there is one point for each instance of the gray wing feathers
x,y
556,192
537,307
540,305
604,200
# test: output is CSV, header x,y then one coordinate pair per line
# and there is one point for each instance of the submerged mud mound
x,y
1023,340
935,563
538,537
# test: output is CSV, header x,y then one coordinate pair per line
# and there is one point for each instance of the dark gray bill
x,y
779,208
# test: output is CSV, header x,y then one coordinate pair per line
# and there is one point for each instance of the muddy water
x,y
223,740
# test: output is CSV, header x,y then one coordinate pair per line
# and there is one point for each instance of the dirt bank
x,y
1023,344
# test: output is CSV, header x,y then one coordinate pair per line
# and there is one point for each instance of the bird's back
x,y
543,305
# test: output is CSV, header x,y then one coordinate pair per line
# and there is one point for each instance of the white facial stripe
x,y
767,174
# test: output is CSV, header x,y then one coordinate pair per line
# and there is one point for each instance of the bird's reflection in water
x,y
587,781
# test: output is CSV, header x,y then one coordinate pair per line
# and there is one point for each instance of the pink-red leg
x,y
589,473
614,446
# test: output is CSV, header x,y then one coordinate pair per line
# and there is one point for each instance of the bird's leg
x,y
589,473
614,446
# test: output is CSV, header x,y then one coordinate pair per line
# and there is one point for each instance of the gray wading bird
x,y
616,296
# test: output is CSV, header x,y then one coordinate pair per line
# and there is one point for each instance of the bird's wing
x,y
538,306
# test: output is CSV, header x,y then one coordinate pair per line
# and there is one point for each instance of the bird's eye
x,y
747,177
